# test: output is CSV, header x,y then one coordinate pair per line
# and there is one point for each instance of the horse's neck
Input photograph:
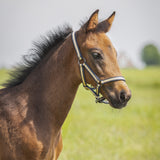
x,y
54,83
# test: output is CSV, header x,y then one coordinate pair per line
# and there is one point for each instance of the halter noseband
x,y
83,65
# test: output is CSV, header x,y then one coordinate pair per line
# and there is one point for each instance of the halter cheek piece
x,y
83,65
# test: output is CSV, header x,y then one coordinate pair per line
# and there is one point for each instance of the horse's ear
x,y
105,25
93,21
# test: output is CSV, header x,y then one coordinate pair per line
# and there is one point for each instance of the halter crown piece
x,y
83,65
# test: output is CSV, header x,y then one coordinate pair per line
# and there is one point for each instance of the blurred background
x,y
96,131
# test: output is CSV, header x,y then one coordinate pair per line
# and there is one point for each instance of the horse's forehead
x,y
99,40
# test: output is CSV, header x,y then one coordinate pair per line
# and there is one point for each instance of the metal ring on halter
x,y
83,65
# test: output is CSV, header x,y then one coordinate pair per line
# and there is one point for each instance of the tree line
x,y
150,55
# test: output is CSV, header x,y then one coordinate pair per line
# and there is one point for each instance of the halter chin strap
x,y
83,65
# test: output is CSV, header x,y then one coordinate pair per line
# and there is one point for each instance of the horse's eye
x,y
96,55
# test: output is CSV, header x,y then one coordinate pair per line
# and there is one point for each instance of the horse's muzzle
x,y
117,98
120,100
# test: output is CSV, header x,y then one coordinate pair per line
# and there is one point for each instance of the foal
x,y
36,101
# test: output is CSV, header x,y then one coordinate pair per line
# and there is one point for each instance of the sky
x,y
137,23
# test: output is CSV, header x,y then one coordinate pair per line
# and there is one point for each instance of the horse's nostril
x,y
124,97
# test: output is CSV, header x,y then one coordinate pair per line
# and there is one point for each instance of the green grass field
x,y
98,132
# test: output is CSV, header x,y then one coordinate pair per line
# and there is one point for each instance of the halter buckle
x,y
81,61
101,100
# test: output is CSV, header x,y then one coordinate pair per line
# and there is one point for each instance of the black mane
x,y
37,53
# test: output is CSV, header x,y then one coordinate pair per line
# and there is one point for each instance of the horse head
x,y
101,57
